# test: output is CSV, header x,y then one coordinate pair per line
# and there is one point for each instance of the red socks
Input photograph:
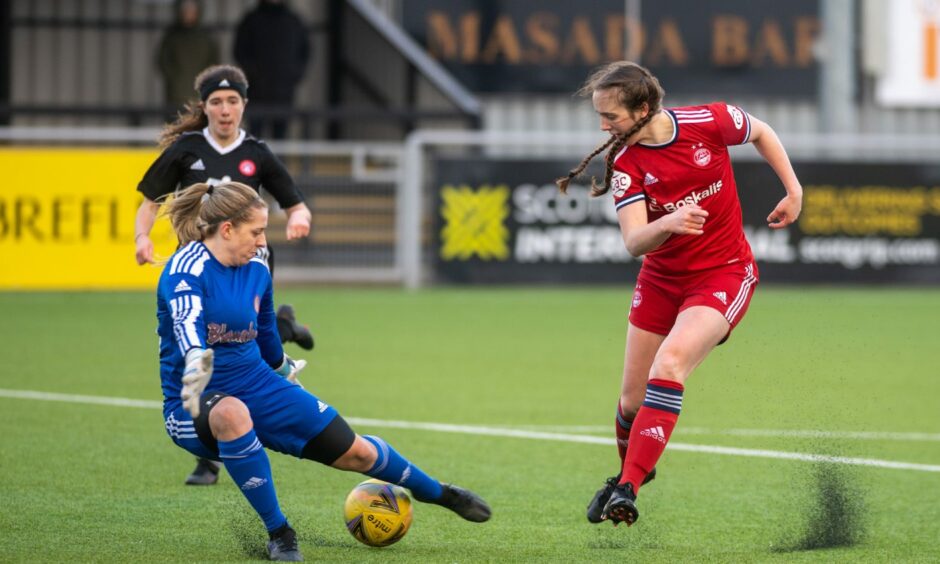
x,y
622,429
651,430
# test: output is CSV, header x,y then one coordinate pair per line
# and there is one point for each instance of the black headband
x,y
224,84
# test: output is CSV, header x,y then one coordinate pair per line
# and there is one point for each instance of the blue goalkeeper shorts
x,y
285,417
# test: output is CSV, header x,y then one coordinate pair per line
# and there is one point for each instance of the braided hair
x,y
635,86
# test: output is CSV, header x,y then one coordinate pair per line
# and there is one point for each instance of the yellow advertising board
x,y
67,220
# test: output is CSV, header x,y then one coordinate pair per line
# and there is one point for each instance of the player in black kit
x,y
206,144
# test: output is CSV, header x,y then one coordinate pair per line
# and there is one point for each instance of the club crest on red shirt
x,y
247,167
701,156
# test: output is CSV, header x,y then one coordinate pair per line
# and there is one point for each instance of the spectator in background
x,y
185,49
272,47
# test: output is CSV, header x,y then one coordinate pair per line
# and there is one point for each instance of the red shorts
x,y
658,300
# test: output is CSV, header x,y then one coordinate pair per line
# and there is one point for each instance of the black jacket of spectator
x,y
272,47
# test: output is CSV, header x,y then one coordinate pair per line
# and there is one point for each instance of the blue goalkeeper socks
x,y
248,465
394,468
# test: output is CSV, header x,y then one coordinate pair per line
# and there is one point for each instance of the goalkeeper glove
x,y
195,378
290,368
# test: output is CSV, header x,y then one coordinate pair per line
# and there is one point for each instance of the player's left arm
x,y
269,341
276,180
298,221
767,143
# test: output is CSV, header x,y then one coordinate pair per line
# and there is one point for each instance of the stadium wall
x,y
382,212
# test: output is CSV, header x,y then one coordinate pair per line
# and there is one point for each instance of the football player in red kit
x,y
674,190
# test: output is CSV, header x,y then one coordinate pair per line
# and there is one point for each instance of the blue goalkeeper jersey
x,y
202,303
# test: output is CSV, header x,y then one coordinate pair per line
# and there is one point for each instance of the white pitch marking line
x,y
786,433
74,398
502,432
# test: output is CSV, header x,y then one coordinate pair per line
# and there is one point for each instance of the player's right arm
x,y
182,291
640,235
185,300
277,181
160,180
143,225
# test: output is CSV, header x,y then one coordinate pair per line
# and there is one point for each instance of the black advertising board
x,y
503,221
726,49
861,223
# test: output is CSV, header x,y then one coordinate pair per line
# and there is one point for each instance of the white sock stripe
x,y
384,447
253,447
245,452
661,405
665,399
663,395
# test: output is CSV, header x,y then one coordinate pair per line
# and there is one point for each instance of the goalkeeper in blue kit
x,y
207,144
229,390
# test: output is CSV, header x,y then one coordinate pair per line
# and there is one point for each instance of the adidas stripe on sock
x,y
394,468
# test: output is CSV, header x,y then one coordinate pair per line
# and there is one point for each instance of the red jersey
x,y
692,167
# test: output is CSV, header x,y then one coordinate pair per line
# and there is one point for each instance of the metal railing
x,y
370,200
